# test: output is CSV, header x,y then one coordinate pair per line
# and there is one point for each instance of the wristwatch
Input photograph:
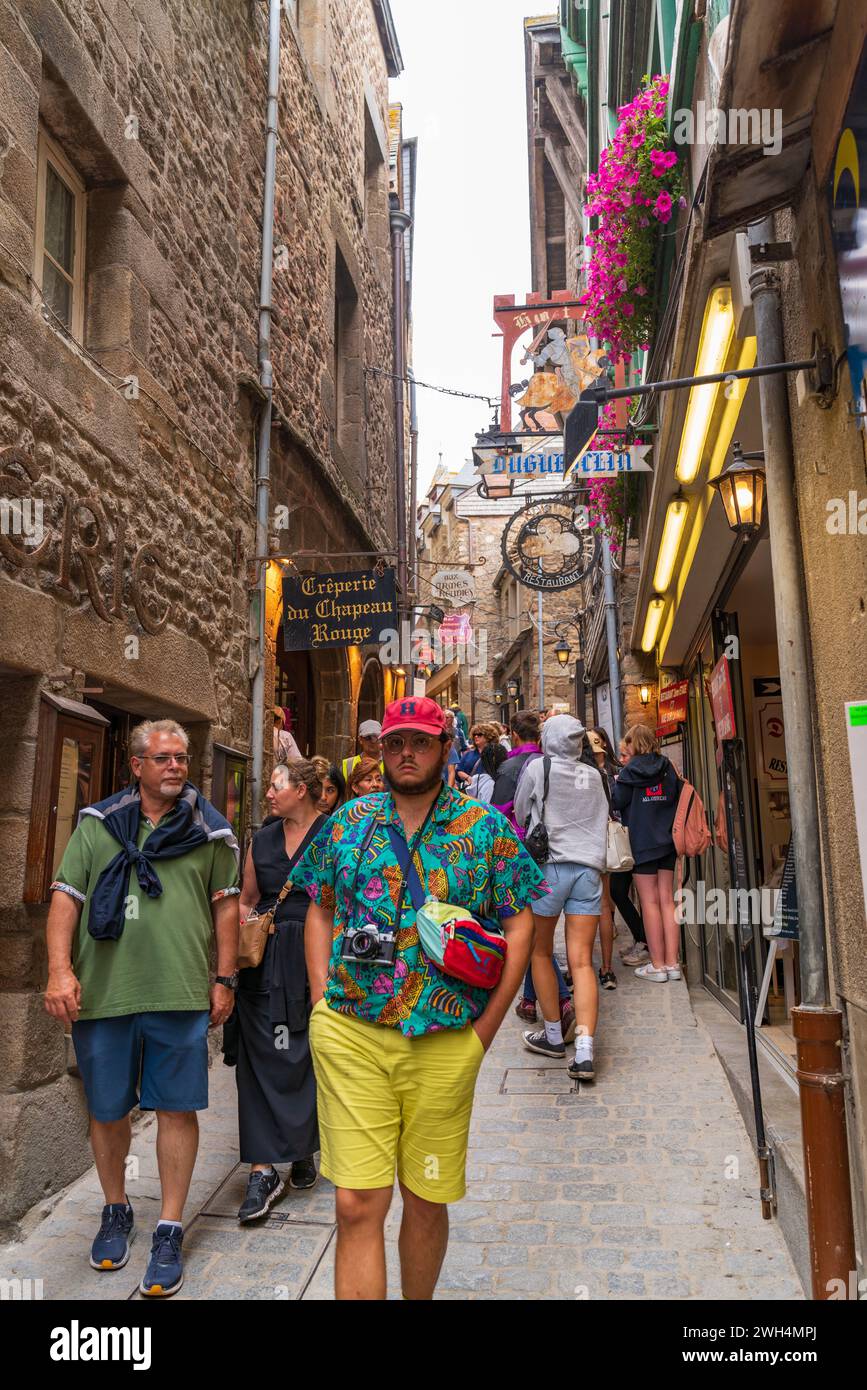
x,y
230,981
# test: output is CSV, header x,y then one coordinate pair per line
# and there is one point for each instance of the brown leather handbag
x,y
255,932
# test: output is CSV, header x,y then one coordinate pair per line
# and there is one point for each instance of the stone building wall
x,y
140,440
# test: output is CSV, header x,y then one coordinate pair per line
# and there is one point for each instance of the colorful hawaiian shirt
x,y
469,855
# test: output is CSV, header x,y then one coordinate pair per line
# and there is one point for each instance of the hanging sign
x,y
722,701
550,545
338,610
611,463
847,196
454,586
773,765
673,706
526,465
456,628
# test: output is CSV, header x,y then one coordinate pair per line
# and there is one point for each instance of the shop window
x,y
229,789
60,232
68,776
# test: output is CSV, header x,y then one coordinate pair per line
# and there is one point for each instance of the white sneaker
x,y
636,956
649,972
673,972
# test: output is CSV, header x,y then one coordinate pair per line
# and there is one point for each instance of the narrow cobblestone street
x,y
642,1186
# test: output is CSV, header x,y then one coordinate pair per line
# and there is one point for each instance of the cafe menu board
x,y
786,908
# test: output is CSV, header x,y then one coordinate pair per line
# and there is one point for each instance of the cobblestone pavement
x,y
641,1186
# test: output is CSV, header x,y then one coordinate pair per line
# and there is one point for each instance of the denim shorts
x,y
158,1061
572,888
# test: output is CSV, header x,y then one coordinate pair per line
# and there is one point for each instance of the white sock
x,y
554,1032
584,1046
164,1221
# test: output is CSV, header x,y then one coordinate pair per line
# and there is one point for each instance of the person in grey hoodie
x,y
575,814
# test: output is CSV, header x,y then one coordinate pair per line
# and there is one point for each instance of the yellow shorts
x,y
386,1100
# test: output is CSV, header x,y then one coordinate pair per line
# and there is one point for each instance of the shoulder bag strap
x,y
407,867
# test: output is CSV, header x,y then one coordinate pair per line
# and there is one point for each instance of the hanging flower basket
x,y
632,195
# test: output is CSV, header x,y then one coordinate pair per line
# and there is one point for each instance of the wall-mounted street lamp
x,y
644,695
498,697
513,688
742,489
563,651
490,446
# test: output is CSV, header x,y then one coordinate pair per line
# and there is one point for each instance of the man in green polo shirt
x,y
147,878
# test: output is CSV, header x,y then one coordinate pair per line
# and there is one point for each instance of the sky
x,y
463,95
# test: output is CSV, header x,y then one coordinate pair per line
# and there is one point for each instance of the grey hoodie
x,y
576,811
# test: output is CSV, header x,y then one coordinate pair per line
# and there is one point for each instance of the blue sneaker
x,y
165,1271
110,1250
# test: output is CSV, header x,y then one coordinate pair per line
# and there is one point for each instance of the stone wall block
x,y
43,1143
32,1046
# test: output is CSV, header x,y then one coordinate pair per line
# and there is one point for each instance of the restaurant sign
x,y
338,610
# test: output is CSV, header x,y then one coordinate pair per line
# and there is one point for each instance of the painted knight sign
x,y
564,368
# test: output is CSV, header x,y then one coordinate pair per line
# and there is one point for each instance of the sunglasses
x,y
163,759
419,743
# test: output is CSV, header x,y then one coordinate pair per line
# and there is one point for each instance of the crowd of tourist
x,y
399,902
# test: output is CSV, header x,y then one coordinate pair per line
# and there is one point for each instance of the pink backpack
x,y
690,832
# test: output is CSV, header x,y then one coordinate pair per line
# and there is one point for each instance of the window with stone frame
x,y
347,364
376,209
312,27
61,206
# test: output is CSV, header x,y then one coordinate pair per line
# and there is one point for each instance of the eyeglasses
x,y
163,759
419,743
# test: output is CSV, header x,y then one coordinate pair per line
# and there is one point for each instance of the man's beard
x,y
416,788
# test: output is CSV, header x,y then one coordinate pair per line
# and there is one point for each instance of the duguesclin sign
x,y
337,610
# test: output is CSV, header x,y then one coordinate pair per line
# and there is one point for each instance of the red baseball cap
x,y
414,712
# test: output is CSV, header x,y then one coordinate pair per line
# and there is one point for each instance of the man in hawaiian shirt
x,y
397,1044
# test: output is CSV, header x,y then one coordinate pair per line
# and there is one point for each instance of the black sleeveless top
x,y
273,867
282,973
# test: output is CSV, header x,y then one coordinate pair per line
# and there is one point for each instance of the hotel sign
x,y
337,610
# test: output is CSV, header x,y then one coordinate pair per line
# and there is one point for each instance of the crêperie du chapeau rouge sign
x,y
338,610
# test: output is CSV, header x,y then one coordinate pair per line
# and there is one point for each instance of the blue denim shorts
x,y
572,888
158,1061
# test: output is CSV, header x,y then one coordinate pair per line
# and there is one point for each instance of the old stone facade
x,y
458,528
131,159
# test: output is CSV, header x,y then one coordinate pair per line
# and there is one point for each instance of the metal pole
x,y
266,380
541,652
816,1025
611,634
400,221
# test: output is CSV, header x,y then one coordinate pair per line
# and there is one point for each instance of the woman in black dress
x,y
276,1086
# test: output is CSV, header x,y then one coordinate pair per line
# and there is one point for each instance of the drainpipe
x,y
400,221
817,1025
611,640
266,380
413,498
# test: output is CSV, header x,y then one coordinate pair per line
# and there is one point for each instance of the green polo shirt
x,y
161,960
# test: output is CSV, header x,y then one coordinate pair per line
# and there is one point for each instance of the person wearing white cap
x,y
369,742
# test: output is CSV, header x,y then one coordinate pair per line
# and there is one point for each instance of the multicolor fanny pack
x,y
458,944
451,938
